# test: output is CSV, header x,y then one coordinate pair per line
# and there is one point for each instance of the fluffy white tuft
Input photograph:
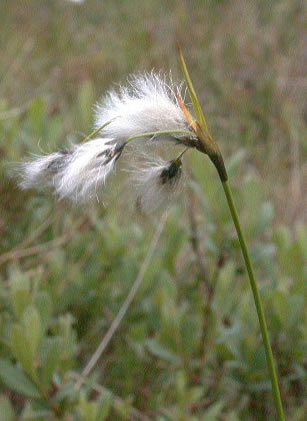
x,y
38,173
157,183
75,173
88,168
149,103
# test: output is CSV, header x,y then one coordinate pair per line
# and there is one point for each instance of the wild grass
x,y
189,346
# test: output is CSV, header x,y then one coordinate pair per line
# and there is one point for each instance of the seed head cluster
x,y
157,183
148,103
145,110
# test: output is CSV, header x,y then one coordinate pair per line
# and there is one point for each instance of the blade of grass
x,y
195,100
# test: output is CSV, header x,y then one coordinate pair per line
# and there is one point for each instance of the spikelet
x,y
157,183
147,104
75,173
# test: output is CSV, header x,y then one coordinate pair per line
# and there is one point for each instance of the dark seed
x,y
60,161
111,153
173,169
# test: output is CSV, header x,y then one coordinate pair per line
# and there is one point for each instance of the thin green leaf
x,y
51,357
214,411
20,295
160,351
22,349
43,304
104,406
196,104
32,328
14,378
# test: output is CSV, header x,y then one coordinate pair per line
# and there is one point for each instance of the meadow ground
x,y
189,347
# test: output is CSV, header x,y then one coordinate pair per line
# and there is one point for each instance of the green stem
x,y
96,131
158,133
257,300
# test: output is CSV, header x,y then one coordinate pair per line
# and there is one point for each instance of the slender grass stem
x,y
96,131
257,300
211,149
158,133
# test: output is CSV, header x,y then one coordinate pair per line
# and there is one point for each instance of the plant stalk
x,y
257,300
96,131
209,147
158,133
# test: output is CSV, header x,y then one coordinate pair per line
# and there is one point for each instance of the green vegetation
x,y
189,347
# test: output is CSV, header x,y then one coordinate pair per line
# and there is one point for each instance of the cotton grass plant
x,y
150,109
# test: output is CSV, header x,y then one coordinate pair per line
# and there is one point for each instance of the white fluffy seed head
x,y
76,173
38,173
149,103
157,183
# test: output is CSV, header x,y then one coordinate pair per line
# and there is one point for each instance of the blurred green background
x,y
189,347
